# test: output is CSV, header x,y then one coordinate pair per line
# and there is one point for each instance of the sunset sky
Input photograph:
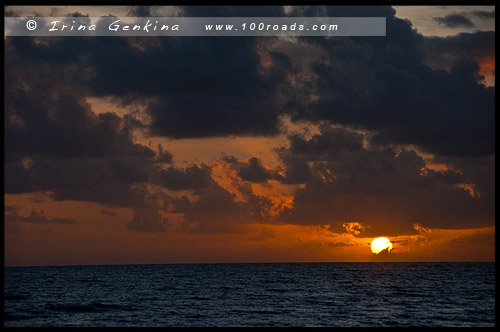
x,y
138,150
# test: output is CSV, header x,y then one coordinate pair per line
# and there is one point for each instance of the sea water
x,y
260,294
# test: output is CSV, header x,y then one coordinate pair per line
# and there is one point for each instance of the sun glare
x,y
380,244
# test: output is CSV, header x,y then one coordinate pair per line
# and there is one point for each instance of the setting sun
x,y
380,244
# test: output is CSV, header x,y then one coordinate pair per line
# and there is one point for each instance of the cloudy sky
x,y
125,150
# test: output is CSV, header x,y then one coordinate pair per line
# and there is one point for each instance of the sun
x,y
380,244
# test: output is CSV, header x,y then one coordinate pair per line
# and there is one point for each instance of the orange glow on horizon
x,y
98,238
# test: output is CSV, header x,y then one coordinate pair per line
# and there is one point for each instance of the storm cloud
x,y
204,87
383,85
442,52
379,105
35,217
387,189
455,20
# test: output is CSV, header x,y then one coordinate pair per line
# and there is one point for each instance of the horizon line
x,y
256,262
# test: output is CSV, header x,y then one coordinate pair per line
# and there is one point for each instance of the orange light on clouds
x,y
279,201
488,71
103,238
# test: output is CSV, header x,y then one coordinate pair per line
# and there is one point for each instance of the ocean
x,y
252,294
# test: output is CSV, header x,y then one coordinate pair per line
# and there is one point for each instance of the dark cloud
x,y
476,44
484,14
43,118
339,244
254,171
107,212
226,94
379,84
442,52
38,197
197,87
477,238
11,210
233,11
211,115
251,170
383,85
216,210
297,171
103,180
34,217
147,218
77,14
454,21
140,11
385,255
380,187
343,11
11,13
206,11
164,156
479,171
55,142
210,209
192,177
456,120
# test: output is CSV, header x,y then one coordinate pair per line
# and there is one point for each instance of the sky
x,y
151,150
